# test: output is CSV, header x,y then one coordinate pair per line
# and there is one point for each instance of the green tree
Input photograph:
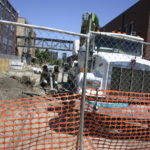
x,y
42,56
45,57
37,55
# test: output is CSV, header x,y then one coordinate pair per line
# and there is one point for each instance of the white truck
x,y
115,63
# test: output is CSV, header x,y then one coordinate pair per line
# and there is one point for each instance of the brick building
x,y
135,19
7,32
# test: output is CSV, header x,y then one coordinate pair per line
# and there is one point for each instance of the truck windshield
x,y
116,45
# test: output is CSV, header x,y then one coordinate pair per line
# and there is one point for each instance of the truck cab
x,y
117,85
115,63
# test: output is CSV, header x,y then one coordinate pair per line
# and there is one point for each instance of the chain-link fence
x,y
119,59
46,67
9,56
67,95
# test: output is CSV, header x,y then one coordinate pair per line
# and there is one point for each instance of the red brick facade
x,y
137,19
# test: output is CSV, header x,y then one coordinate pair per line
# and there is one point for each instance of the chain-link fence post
x,y
84,85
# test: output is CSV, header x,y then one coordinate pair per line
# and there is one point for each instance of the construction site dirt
x,y
19,84
43,121
22,88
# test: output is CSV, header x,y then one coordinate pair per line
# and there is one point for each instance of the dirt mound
x,y
11,88
25,80
16,87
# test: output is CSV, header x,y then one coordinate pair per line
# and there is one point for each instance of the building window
x,y
10,50
5,31
11,36
12,28
13,15
131,28
5,39
8,7
13,18
7,15
4,49
125,29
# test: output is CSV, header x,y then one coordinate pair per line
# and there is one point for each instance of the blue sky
x,y
67,14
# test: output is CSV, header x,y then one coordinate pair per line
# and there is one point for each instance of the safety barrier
x,y
102,119
116,120
48,122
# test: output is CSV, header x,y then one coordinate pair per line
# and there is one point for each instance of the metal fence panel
x,y
45,65
65,98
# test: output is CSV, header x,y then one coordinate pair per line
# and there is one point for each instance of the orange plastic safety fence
x,y
113,120
117,120
47,122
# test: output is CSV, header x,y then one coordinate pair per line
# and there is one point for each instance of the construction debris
x,y
14,85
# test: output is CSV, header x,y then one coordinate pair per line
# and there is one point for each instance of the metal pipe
x,y
41,28
121,36
126,37
84,88
145,43
49,48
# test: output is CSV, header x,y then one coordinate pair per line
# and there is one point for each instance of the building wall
x,y
7,32
22,31
147,51
135,19
138,14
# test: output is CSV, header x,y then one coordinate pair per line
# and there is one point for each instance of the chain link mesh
x,y
127,69
44,86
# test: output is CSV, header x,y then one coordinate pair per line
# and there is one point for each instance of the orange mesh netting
x,y
48,122
117,120
113,120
